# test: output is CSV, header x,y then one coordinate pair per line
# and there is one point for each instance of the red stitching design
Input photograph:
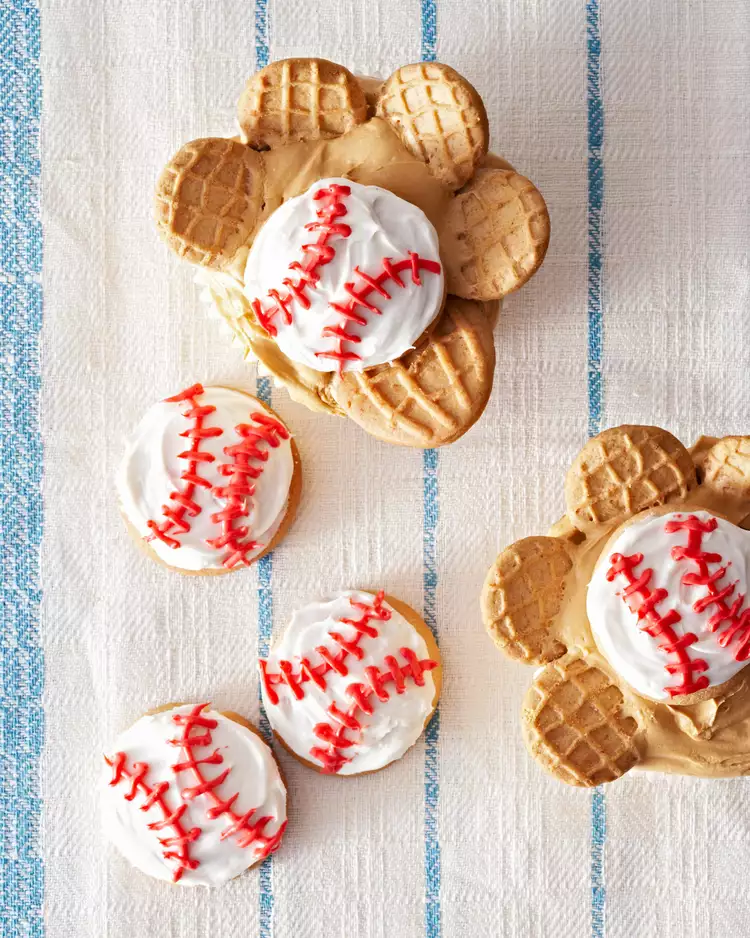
x,y
369,285
642,601
737,619
333,732
321,253
318,254
238,488
332,661
248,831
155,796
175,517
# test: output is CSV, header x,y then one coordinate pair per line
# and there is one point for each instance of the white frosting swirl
x,y
381,225
393,726
619,633
152,467
253,774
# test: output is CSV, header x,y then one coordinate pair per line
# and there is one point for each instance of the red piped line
x,y
736,618
642,601
174,522
318,254
333,733
332,660
358,297
248,830
177,847
238,488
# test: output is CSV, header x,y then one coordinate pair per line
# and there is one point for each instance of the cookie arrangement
x,y
633,609
357,239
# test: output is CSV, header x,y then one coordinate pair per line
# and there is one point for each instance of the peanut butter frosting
x,y
709,738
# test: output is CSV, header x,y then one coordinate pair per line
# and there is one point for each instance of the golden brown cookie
x,y
197,468
432,395
727,466
494,235
148,804
623,471
439,117
300,99
522,596
577,723
374,653
208,200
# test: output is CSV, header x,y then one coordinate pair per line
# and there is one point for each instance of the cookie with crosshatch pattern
x,y
634,611
357,239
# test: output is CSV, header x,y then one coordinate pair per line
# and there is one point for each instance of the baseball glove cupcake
x,y
352,682
193,796
357,238
634,611
210,480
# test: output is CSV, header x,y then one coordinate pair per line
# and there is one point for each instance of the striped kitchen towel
x,y
631,117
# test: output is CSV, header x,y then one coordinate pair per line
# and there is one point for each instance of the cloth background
x,y
631,117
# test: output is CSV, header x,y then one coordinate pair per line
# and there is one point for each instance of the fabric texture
x,y
631,117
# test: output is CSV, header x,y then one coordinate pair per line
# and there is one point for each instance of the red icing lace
x,y
643,602
736,618
320,253
155,796
348,311
239,489
235,493
248,830
175,517
333,733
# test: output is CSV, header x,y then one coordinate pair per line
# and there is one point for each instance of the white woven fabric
x,y
125,83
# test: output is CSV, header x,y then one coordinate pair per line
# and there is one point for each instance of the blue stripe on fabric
x,y
21,654
433,917
595,127
433,925
595,196
262,42
429,31
265,564
265,629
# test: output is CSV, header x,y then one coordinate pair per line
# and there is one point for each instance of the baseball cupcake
x,y
352,682
193,796
210,480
